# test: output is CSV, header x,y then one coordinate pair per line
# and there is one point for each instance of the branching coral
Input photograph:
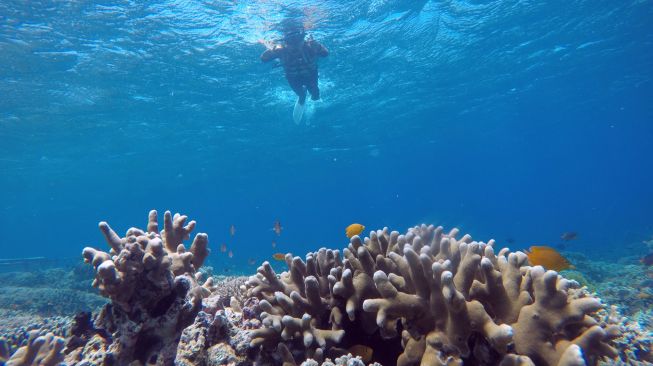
x,y
151,279
448,300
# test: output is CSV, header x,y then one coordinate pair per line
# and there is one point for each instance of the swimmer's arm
x,y
319,49
271,53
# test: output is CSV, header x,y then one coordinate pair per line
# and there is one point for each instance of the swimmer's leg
x,y
298,87
311,85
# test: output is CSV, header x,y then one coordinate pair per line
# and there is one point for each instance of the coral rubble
x,y
444,300
347,360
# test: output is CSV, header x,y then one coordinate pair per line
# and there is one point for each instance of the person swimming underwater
x,y
298,57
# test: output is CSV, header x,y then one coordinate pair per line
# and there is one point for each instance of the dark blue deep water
x,y
509,119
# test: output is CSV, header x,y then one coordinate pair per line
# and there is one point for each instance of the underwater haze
x,y
513,120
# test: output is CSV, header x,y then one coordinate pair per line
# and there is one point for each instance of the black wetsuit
x,y
300,66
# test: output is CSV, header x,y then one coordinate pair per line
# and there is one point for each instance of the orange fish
x,y
232,230
363,351
231,254
279,256
277,227
354,229
223,248
548,258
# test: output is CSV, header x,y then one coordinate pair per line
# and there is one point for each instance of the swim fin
x,y
298,111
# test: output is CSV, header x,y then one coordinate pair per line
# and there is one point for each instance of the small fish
x,y
510,241
274,244
561,246
277,227
647,260
354,229
232,230
363,351
568,236
251,261
223,248
644,296
231,254
279,256
548,258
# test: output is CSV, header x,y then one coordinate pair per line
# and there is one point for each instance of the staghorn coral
x,y
447,301
153,284
296,303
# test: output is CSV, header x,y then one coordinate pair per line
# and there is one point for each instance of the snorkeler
x,y
299,60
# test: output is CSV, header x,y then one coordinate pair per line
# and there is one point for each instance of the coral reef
x,y
219,336
623,281
39,351
445,300
48,301
422,298
229,287
150,278
16,327
49,292
635,345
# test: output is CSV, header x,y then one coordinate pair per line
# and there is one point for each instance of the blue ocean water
x,y
512,120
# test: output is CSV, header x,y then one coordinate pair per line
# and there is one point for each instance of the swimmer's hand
x,y
269,45
272,52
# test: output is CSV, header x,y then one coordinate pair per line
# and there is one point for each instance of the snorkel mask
x,y
294,37
293,32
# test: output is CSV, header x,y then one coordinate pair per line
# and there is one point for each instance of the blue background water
x,y
509,119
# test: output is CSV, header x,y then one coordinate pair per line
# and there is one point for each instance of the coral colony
x,y
422,298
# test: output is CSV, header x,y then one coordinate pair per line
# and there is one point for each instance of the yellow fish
x,y
548,258
363,351
279,256
354,229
